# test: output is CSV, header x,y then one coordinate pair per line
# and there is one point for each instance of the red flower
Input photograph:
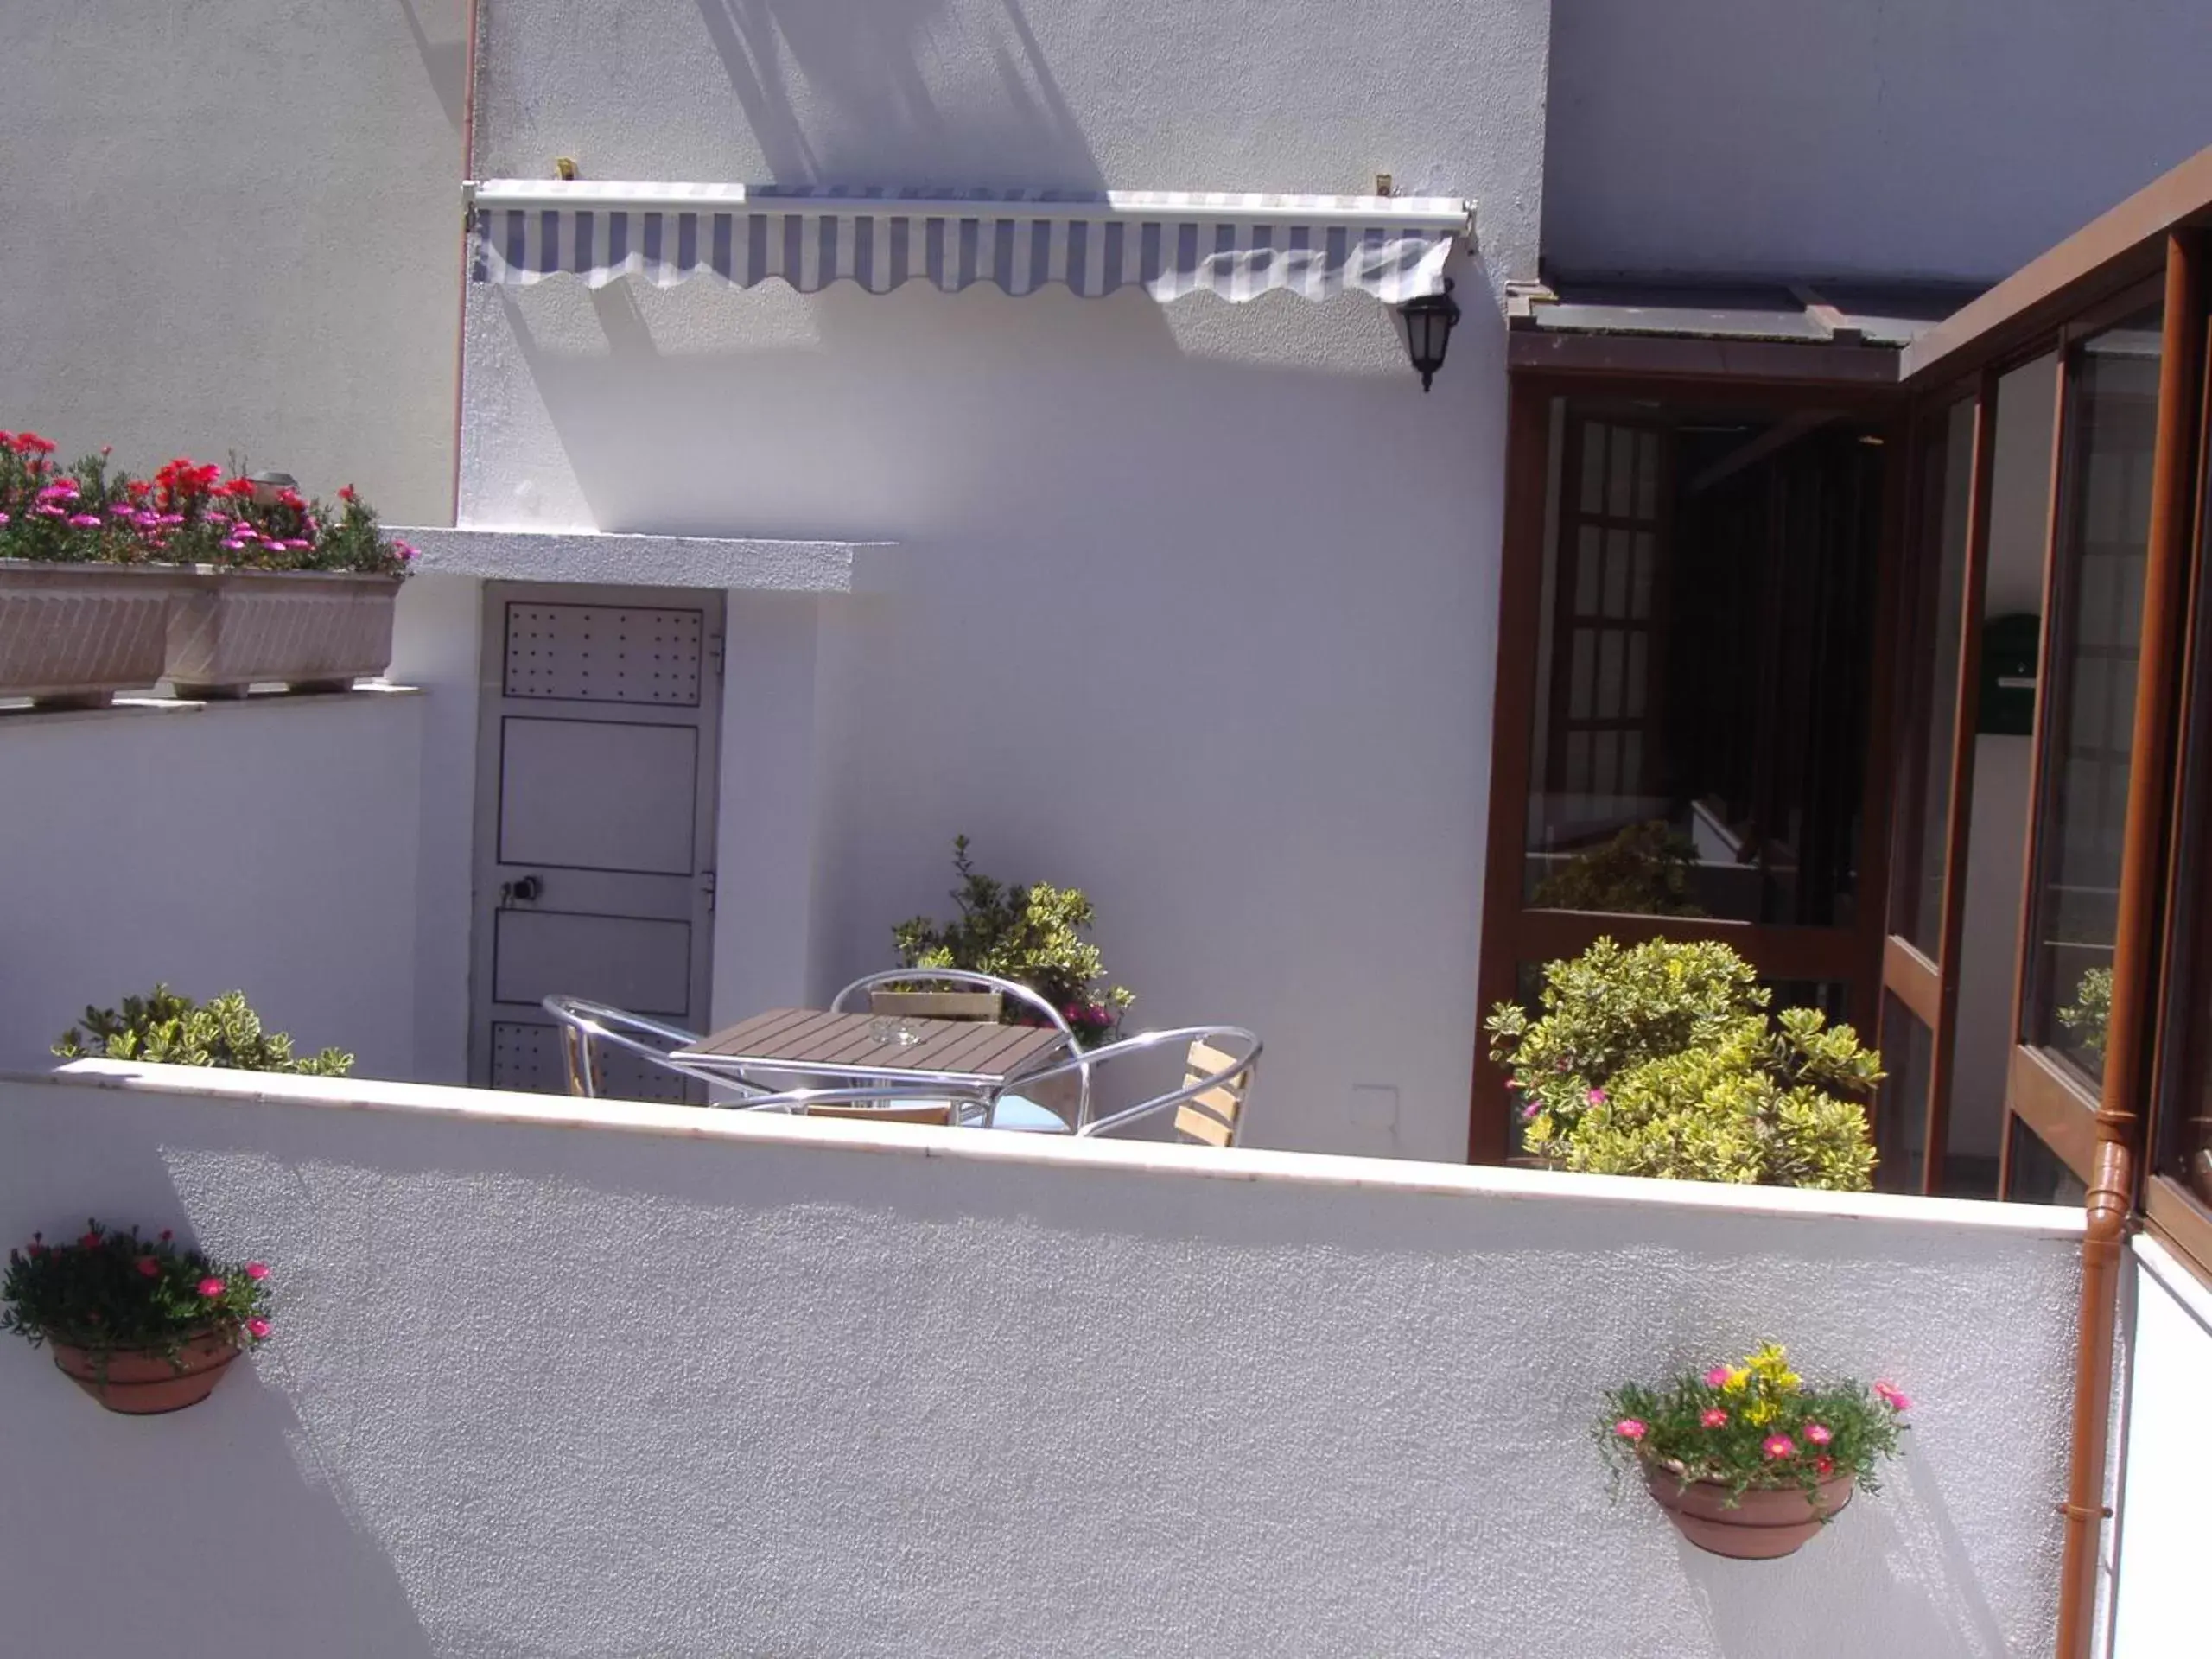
x,y
148,1266
236,487
1824,1465
345,492
90,1239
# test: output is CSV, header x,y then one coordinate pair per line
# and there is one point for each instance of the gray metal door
x,y
596,775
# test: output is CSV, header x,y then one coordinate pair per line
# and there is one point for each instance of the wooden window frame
x,y
1514,934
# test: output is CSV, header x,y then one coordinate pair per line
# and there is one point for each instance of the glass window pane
x,y
1700,728
1948,462
1901,1108
2112,413
2039,1175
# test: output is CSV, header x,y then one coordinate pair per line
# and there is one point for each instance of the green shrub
x,y
1662,1060
1642,871
1032,934
2089,1016
166,1029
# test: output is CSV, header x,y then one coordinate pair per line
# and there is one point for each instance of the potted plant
x,y
166,1029
1747,1461
86,588
1662,1060
1032,934
143,1325
287,590
108,582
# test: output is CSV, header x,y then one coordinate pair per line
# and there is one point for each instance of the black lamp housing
x,y
1429,320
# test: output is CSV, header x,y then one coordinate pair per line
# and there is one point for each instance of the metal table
x,y
858,1048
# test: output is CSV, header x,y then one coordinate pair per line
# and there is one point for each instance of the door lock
x,y
523,890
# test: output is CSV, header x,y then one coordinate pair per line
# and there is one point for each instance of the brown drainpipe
x,y
2128,1072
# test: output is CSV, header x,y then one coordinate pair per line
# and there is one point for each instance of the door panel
x,y
630,962
596,794
599,732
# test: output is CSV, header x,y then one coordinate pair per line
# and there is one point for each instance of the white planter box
x,y
312,630
73,635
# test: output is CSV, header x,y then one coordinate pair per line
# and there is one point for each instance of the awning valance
x,y
1168,244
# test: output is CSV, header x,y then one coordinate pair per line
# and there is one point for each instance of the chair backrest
x,y
584,1024
1213,1115
1218,1063
1008,992
938,1112
938,1005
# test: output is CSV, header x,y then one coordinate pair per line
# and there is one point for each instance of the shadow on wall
x,y
1927,1598
229,1523
839,91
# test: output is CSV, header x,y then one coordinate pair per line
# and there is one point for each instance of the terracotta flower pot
x,y
141,1382
1761,1526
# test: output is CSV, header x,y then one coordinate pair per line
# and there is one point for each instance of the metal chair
x,y
584,1023
1008,990
1216,1083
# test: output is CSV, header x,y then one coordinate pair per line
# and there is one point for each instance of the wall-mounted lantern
x,y
1429,322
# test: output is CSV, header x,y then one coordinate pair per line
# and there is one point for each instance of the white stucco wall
x,y
2160,1589
1195,605
1953,138
232,227
700,1384
267,846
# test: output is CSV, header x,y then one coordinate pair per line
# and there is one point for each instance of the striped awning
x,y
1168,244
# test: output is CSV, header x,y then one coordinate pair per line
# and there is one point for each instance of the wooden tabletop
x,y
846,1046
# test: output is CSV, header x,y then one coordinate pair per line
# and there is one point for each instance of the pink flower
x,y
1888,1395
1778,1446
1717,1376
85,520
211,1286
256,1270
232,547
1529,1111
4,518
1631,1428
1713,1417
1596,1097
257,1328
1818,1433
148,1266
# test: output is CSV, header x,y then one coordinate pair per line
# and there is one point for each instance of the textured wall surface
x,y
541,1387
1195,603
1954,138
234,226
2160,1588
268,847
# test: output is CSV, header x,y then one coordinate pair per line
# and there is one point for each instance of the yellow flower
x,y
1761,1411
1771,1363
1738,1380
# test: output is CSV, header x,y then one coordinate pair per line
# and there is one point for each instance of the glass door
x,y
1974,603
1691,686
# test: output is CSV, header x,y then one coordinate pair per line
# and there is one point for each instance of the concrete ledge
x,y
653,561
983,1145
140,705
